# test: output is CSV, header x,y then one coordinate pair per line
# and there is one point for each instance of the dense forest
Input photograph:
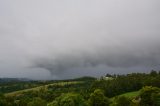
x,y
135,89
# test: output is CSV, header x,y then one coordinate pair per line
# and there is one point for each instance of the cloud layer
x,y
76,38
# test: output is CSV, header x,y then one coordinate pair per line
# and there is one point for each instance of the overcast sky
x,y
57,39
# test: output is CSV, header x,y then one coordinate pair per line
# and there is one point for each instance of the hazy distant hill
x,y
13,79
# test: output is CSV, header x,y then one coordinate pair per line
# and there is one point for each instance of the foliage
x,y
155,97
3,101
150,96
11,86
121,101
37,102
126,83
153,73
97,98
69,99
87,88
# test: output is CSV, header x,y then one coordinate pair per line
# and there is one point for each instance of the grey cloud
x,y
72,38
116,59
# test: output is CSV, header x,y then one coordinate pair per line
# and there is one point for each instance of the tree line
x,y
93,92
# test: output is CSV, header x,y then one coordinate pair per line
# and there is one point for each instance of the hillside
x,y
121,89
15,93
130,95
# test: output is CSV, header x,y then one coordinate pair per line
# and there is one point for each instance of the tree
x,y
155,97
153,73
149,95
121,101
37,102
23,101
108,75
97,98
3,102
69,99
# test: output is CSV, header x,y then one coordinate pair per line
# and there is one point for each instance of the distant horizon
x,y
76,77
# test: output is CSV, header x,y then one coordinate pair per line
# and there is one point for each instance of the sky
x,y
60,39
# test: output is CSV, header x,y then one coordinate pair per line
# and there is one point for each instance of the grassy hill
x,y
58,84
42,87
87,88
128,95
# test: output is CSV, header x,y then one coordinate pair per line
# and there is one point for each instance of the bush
x,y
97,98
121,101
3,101
69,99
37,102
149,96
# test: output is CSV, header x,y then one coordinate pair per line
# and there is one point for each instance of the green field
x,y
128,95
41,87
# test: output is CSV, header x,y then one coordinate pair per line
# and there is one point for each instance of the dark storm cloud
x,y
75,38
115,59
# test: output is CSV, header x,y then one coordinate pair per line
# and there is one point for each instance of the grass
x,y
129,94
41,87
